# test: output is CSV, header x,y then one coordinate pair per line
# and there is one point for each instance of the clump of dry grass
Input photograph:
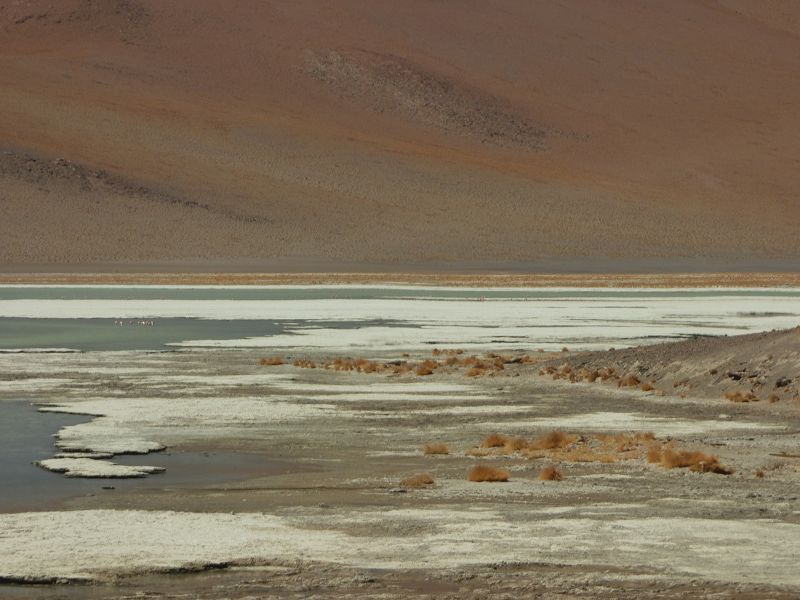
x,y
273,361
554,439
494,440
304,363
417,481
474,372
550,474
741,397
646,387
400,369
436,448
759,473
484,473
773,398
422,371
515,444
654,454
694,460
629,380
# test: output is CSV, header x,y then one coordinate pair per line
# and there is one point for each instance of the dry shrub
x,y
694,460
590,375
401,369
370,367
435,449
552,440
471,361
475,372
494,440
422,371
586,454
654,454
741,397
271,362
759,473
304,363
607,373
436,352
485,473
630,380
550,474
516,444
565,349
646,387
451,361
773,398
418,481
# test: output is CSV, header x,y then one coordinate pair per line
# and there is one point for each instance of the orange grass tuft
x,y
741,397
475,372
304,363
694,460
654,454
494,440
552,440
435,449
516,444
271,362
646,387
483,473
418,481
629,380
550,474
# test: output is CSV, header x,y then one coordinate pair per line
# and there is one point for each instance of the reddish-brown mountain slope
x,y
597,135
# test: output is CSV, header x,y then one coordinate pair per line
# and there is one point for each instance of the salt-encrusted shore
x,y
102,544
346,441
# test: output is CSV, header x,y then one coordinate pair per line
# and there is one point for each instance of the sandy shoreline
x,y
489,280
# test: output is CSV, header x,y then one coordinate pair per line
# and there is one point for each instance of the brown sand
x,y
303,136
677,280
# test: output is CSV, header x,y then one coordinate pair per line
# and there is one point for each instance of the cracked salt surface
x,y
75,545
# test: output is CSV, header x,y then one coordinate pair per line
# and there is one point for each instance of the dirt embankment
x,y
747,368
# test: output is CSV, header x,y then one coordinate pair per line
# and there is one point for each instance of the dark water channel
x,y
26,435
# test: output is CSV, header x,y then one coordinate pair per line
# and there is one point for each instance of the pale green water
x,y
107,334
